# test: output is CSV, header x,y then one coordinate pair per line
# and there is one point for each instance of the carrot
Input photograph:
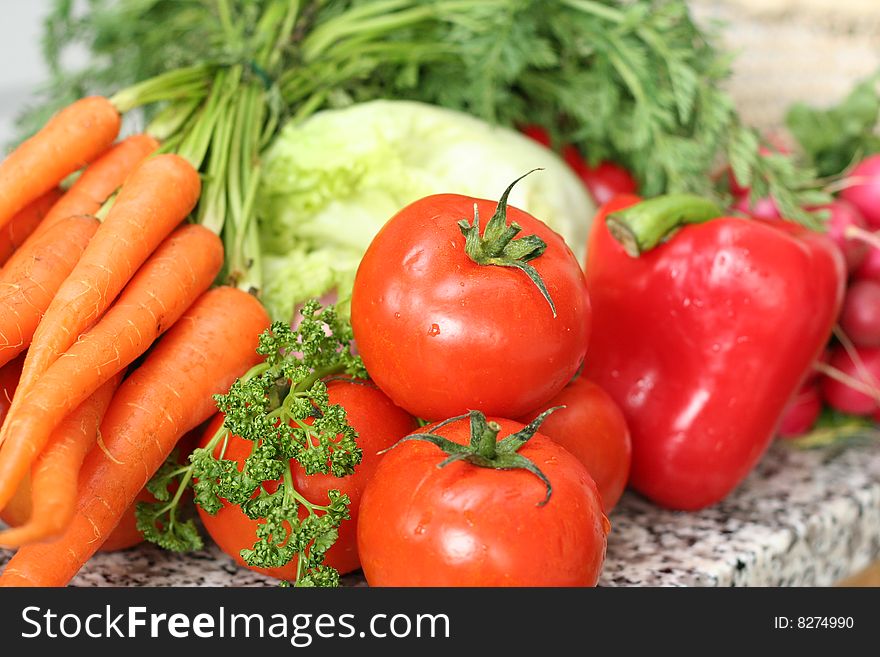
x,y
54,476
154,199
23,224
126,534
31,278
181,269
171,393
9,376
19,508
71,139
101,178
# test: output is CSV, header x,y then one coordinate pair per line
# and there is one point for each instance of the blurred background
x,y
786,50
21,67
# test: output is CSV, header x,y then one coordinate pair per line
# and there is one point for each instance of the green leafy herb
x,y
636,82
837,430
282,407
159,522
834,138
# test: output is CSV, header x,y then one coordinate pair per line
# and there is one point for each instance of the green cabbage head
x,y
330,182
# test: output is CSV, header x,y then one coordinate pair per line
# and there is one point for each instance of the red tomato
x,y
441,334
463,525
379,424
592,428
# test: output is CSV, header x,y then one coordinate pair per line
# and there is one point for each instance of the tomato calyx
x,y
500,246
485,450
643,226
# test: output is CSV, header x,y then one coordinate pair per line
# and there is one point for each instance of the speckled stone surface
x,y
802,518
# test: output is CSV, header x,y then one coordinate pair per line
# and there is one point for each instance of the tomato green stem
x,y
499,246
485,450
641,227
488,441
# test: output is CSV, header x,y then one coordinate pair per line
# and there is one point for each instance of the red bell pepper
x,y
702,333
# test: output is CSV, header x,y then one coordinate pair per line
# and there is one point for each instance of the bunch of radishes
x,y
847,378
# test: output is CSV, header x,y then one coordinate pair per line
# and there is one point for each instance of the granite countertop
x,y
802,518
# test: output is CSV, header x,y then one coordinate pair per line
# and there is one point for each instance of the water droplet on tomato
x,y
396,315
434,331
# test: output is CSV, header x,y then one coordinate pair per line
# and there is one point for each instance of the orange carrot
x,y
126,534
170,281
54,476
23,224
71,139
171,393
155,198
31,278
9,376
19,508
101,178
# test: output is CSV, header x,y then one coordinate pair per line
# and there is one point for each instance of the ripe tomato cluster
x,y
448,321
479,329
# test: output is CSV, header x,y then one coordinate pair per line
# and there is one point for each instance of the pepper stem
x,y
641,227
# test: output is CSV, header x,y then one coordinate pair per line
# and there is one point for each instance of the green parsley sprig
x,y
282,407
834,138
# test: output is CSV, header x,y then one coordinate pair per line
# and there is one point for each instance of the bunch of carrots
x,y
91,278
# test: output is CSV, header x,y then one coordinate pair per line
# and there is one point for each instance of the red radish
x,y
844,214
763,208
801,412
853,386
864,190
860,317
814,374
869,270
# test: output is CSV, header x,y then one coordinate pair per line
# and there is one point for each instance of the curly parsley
x,y
282,407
